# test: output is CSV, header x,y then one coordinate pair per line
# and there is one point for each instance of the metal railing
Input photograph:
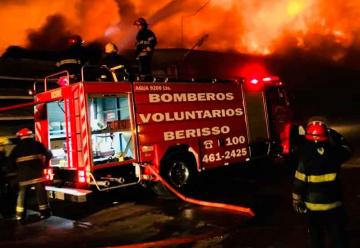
x,y
53,77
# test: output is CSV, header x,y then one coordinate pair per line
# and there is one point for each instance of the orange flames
x,y
324,27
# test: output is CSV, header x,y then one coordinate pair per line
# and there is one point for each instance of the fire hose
x,y
243,210
16,106
188,239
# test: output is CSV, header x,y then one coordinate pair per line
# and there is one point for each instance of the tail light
x,y
82,176
148,153
285,138
49,174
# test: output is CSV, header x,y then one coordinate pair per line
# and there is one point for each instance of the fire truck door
x,y
256,116
279,110
58,143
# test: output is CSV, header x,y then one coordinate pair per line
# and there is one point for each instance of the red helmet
x,y
24,132
141,21
316,131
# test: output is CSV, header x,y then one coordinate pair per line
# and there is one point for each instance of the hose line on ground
x,y
243,210
188,239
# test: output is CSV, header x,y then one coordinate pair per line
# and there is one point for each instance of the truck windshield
x,y
110,125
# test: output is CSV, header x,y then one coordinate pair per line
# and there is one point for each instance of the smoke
x,y
52,35
168,10
127,11
328,28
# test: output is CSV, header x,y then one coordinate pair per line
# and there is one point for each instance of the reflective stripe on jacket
x,y
30,157
329,177
32,181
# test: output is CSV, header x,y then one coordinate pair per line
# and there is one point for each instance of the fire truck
x,y
106,135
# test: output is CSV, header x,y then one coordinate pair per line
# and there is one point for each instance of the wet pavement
x,y
137,216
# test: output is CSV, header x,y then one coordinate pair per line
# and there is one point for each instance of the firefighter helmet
x,y
316,131
141,22
75,40
24,133
110,47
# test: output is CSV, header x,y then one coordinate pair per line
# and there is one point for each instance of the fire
x,y
255,27
294,8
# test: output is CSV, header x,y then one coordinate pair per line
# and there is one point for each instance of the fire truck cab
x,y
105,135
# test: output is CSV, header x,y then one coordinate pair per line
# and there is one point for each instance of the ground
x,y
130,217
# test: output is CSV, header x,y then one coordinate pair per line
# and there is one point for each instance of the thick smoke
x,y
52,36
127,11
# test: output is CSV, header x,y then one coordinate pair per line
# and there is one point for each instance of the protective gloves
x,y
298,204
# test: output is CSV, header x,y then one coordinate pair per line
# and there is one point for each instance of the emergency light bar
x,y
256,84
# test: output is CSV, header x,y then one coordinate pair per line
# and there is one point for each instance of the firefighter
x,y
317,189
73,58
145,45
3,180
115,63
30,158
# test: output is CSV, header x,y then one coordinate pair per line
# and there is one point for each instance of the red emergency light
x,y
257,84
254,81
254,84
63,81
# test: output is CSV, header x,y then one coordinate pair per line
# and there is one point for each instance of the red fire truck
x,y
105,135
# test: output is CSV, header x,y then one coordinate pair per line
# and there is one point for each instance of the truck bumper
x,y
68,194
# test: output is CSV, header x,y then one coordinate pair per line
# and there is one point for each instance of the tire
x,y
179,170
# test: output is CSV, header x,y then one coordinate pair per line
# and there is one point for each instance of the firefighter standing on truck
x,y
145,45
115,63
317,190
73,58
30,158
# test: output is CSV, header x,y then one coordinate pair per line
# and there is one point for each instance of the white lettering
x,y
190,115
195,133
230,96
201,97
154,98
158,117
239,111
220,97
210,96
142,87
190,97
145,119
166,98
169,136
179,97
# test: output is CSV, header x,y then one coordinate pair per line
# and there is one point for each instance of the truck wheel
x,y
180,170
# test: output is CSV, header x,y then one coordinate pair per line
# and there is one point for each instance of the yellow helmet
x,y
4,141
110,48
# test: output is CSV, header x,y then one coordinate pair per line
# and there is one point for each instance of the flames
x,y
324,27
